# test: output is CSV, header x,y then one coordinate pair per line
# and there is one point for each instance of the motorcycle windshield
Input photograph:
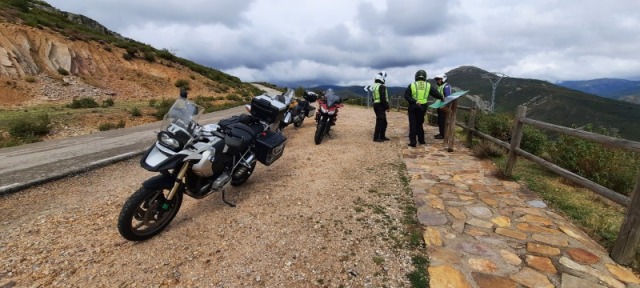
x,y
184,114
331,98
286,97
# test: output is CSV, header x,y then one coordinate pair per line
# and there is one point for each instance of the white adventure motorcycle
x,y
198,160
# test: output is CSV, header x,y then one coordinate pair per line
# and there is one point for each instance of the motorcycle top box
x,y
270,147
267,109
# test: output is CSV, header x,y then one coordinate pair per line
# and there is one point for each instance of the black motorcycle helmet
x,y
183,93
421,75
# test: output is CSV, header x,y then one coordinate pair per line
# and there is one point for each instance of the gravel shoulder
x,y
323,215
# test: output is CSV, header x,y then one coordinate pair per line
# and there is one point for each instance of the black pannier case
x,y
267,109
269,147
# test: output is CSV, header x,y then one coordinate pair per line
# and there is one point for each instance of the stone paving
x,y
481,231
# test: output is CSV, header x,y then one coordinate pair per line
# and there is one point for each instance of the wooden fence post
x,y
450,126
624,249
516,137
471,123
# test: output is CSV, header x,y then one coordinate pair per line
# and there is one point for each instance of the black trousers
x,y
416,120
442,117
381,121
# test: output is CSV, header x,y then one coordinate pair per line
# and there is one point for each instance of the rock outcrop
x,y
28,55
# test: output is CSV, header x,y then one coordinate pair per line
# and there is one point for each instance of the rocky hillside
x,y
64,56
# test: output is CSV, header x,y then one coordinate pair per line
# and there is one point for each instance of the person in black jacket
x,y
380,107
417,94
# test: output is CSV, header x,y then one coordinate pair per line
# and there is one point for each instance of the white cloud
x,y
346,42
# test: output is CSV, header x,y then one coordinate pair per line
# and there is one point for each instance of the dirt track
x,y
322,215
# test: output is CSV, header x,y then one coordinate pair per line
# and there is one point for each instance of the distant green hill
x,y
551,103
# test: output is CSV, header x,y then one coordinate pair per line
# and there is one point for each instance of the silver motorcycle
x,y
199,160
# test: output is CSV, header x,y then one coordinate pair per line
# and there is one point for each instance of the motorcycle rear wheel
x,y
319,132
147,212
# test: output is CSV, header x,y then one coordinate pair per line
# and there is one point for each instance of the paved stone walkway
x,y
485,232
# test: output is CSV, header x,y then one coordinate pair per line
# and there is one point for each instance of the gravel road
x,y
328,215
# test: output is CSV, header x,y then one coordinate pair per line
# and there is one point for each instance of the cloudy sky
x,y
346,42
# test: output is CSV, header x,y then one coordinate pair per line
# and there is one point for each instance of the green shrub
x,y
132,50
233,97
149,56
162,108
30,79
86,102
127,56
135,112
496,125
63,72
182,83
107,103
534,141
205,102
499,126
22,5
29,127
165,54
110,126
613,168
152,102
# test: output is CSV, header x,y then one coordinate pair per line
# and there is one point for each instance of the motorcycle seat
x,y
242,118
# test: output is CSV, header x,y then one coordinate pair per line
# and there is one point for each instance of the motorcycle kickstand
x,y
225,200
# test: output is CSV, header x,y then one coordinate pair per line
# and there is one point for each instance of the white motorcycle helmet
x,y
441,76
381,76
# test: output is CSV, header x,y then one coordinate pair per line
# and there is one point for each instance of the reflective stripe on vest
x,y
420,91
376,92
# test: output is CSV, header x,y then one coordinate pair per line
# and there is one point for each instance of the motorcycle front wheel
x,y
320,132
298,124
147,212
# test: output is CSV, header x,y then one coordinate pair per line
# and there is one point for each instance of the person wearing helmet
x,y
183,92
445,89
380,107
417,94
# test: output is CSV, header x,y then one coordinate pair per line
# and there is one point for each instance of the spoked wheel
x,y
320,132
147,212
237,181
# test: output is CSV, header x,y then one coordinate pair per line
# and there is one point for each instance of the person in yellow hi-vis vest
x,y
445,89
380,107
417,94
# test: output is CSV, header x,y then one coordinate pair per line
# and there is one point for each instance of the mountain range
x,y
620,89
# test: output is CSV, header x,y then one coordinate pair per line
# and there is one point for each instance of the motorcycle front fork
x,y
176,185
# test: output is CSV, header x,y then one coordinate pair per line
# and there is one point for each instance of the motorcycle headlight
x,y
331,112
168,141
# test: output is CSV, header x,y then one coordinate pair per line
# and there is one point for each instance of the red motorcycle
x,y
326,115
